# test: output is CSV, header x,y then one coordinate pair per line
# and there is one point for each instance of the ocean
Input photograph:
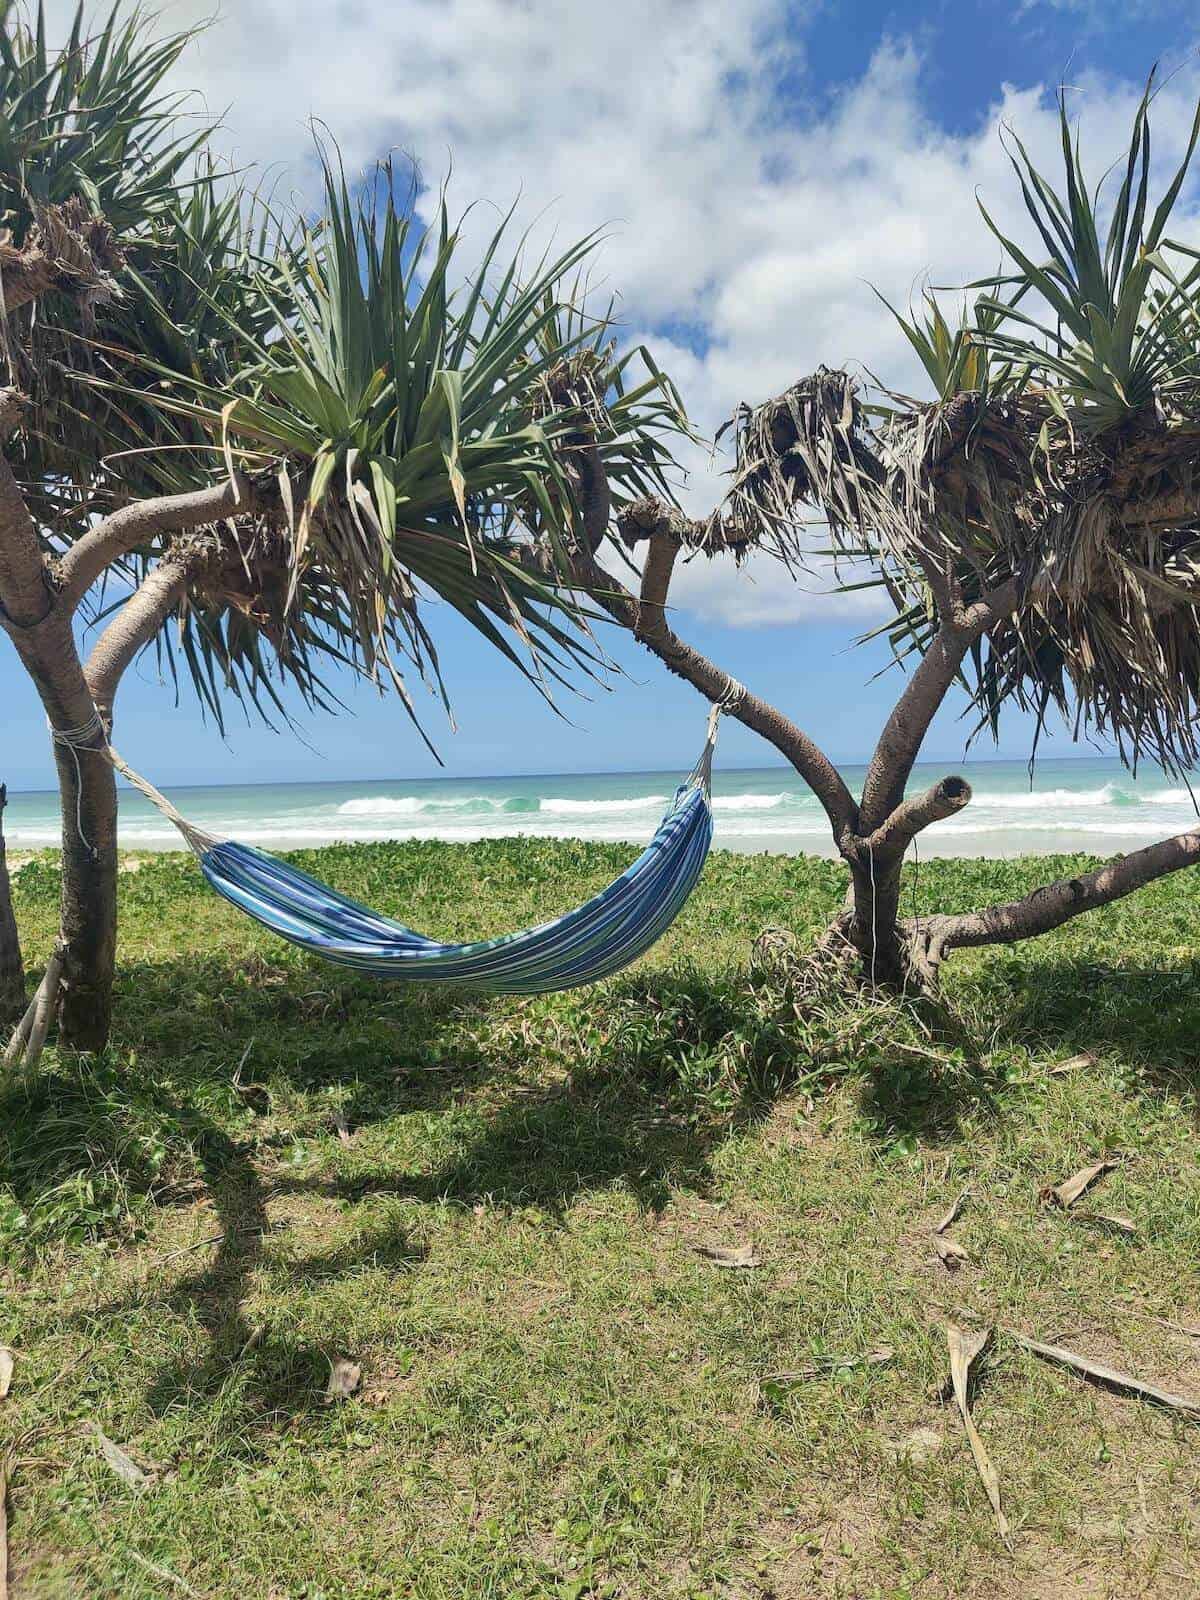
x,y
1073,804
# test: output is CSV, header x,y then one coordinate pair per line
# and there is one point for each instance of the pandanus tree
x,y
262,445
1035,524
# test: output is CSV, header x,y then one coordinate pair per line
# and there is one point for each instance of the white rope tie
x,y
729,699
733,695
85,738
76,739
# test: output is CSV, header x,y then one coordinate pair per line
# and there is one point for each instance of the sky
x,y
759,168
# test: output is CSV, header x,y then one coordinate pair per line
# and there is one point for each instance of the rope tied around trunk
x,y
92,738
76,739
731,697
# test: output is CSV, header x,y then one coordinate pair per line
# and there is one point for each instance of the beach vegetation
x,y
509,1215
1034,525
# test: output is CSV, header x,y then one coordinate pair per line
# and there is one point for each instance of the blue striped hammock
x,y
594,940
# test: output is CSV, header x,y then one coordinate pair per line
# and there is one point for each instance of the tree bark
x,y
1055,903
88,793
12,968
42,632
646,619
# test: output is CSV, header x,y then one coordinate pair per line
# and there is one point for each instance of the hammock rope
x,y
590,942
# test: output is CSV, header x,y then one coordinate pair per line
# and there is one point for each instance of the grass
x,y
561,1397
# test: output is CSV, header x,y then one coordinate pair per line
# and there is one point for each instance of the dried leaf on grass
x,y
1188,1330
164,1573
121,1463
950,1252
742,1257
916,1447
953,1213
965,1349
6,1371
1110,1377
344,1379
827,1364
1069,1190
1085,1058
1106,1219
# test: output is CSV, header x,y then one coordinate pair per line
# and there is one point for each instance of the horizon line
x,y
591,772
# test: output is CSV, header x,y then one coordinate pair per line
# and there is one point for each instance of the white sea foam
x,y
1005,816
1055,799
1171,797
381,807
753,802
554,807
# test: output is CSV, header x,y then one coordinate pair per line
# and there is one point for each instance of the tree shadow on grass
x,y
208,1050
1145,1019
1148,1016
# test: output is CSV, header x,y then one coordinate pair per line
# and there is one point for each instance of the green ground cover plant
x,y
498,1208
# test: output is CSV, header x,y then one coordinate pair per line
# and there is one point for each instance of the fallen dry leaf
x,y
953,1213
1085,1058
344,1379
950,1252
818,1369
119,1462
917,1447
1107,1220
6,1371
1100,1372
164,1573
1069,1190
742,1257
965,1349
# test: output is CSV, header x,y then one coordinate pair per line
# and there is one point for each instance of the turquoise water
x,y
1080,804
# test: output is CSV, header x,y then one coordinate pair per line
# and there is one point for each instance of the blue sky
x,y
757,165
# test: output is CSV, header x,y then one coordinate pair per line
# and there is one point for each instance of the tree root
x,y
29,1037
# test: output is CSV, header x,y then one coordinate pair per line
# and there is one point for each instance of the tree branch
x,y
25,594
136,524
904,732
646,619
893,837
1055,903
133,627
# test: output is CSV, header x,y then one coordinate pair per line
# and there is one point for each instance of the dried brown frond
x,y
68,249
952,498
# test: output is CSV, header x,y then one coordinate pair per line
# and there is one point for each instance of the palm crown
x,y
398,414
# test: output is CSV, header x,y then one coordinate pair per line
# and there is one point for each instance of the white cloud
x,y
753,217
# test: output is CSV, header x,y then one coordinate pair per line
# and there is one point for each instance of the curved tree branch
x,y
904,732
646,619
1055,903
133,627
143,520
890,840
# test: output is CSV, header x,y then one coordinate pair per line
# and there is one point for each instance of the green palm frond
x,y
1112,345
954,360
417,420
407,415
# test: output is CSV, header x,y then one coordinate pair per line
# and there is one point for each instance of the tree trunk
x,y
87,787
871,922
12,969
89,897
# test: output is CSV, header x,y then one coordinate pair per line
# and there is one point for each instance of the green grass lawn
x,y
493,1206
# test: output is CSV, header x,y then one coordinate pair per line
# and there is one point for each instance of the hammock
x,y
598,938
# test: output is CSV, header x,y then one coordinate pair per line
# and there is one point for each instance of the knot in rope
x,y
84,737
